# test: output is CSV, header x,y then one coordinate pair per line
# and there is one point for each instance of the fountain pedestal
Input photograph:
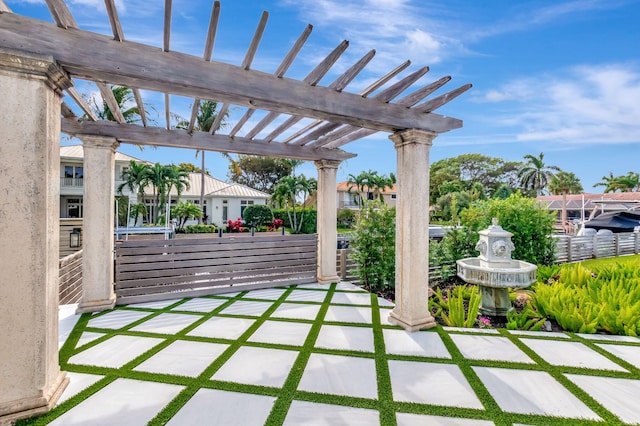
x,y
494,271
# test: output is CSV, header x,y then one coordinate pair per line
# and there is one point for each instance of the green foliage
x,y
451,204
346,218
183,211
286,194
309,225
261,173
530,223
123,206
458,243
257,215
457,306
584,301
525,315
373,246
200,229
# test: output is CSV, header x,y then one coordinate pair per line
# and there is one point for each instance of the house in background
x,y
584,206
72,178
349,199
222,200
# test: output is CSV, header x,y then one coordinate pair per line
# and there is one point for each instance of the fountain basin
x,y
512,273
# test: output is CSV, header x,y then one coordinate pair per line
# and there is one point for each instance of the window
x,y
369,196
225,210
243,205
393,196
72,176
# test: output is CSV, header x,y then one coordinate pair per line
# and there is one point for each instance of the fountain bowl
x,y
507,274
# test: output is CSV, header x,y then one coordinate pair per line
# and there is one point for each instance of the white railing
x,y
66,182
574,249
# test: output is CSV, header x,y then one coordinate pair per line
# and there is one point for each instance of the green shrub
x,y
373,245
458,243
346,218
309,224
199,229
530,223
257,215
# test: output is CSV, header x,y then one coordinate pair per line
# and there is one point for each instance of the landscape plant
x,y
590,300
373,245
183,211
257,215
457,306
200,228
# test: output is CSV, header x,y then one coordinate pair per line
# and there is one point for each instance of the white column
x,y
97,238
412,230
327,221
30,378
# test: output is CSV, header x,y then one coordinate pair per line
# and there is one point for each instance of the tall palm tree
x,y
535,175
135,178
126,102
564,183
610,183
286,193
207,114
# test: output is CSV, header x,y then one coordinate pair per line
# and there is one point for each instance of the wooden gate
x,y
148,270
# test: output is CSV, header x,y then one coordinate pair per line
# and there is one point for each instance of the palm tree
x,y
535,175
288,190
629,182
207,115
609,182
183,211
124,99
359,183
565,183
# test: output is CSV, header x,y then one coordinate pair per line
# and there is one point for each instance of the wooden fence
x,y
148,270
70,273
574,249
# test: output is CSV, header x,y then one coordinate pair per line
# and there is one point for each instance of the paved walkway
x,y
325,355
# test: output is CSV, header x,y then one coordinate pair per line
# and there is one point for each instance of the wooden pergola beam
x,y
186,75
157,136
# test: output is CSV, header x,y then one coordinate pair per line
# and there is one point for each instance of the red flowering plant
x,y
235,225
275,225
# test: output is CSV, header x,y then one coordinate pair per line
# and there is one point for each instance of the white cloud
x,y
588,104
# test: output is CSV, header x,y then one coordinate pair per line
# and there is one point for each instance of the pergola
x,y
39,63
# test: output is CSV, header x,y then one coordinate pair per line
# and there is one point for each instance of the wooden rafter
x,y
312,79
341,135
246,65
384,96
366,92
338,85
208,52
282,69
186,75
81,102
156,136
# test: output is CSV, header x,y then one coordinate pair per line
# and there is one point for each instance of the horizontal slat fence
x,y
148,270
70,273
574,249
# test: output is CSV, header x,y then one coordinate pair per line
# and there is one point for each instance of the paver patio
x,y
325,355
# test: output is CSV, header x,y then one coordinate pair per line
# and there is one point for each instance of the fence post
x,y
636,243
343,264
616,240
569,249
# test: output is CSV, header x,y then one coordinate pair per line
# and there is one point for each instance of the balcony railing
x,y
66,182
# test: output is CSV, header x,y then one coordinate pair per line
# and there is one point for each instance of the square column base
x,y
421,324
96,305
329,280
34,406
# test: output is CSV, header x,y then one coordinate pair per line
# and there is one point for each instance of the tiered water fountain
x,y
494,271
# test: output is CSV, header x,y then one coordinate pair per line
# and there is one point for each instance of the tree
x,y
563,183
192,168
257,215
126,102
358,182
134,178
288,191
625,183
369,182
535,175
205,118
183,211
261,173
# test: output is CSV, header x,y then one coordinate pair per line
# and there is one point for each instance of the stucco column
x,y
97,238
30,378
412,230
327,215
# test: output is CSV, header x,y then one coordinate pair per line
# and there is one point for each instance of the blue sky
x,y
559,77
